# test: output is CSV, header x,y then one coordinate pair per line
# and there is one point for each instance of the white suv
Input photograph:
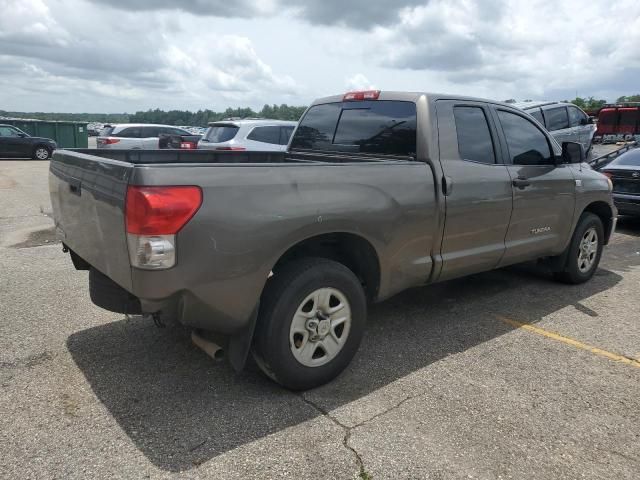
x,y
256,135
134,136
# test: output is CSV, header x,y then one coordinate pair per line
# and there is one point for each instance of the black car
x,y
14,143
624,173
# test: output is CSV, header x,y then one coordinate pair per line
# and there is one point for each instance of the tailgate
x,y
88,197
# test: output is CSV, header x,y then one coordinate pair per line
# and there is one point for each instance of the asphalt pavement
x,y
505,374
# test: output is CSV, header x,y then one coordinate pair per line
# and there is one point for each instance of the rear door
x,y
149,137
478,194
129,138
543,192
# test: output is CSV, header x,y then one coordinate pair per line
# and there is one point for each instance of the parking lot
x,y
505,374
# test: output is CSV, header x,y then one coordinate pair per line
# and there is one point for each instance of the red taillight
x,y
160,210
188,145
108,140
362,95
230,148
608,174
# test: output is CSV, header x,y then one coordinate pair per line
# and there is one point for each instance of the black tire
x,y
571,272
284,293
36,155
107,294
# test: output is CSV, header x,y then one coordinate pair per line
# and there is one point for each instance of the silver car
x,y
253,135
135,136
565,121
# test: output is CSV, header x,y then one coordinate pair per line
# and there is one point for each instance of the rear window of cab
x,y
381,127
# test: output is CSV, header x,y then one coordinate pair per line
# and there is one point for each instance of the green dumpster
x,y
65,134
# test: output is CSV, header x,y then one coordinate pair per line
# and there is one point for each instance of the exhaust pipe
x,y
212,349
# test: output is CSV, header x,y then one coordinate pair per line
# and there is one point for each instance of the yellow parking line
x,y
570,341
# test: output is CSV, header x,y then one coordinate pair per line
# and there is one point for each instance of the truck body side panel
x,y
251,216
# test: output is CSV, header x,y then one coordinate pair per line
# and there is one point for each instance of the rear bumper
x,y
214,308
627,204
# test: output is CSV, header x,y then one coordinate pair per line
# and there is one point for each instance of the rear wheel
x,y
41,153
584,251
311,323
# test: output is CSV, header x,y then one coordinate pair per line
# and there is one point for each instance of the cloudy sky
x,y
128,55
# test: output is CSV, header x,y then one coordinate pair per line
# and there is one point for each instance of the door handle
x,y
447,185
521,183
75,188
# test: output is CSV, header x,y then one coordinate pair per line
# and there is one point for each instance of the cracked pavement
x,y
441,387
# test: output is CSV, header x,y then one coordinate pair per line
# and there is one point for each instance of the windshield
x,y
378,127
220,133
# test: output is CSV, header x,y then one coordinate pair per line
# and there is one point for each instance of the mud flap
x,y
240,344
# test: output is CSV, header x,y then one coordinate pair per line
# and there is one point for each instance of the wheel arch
x,y
604,211
353,251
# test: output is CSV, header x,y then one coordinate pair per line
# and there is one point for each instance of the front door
x,y
543,192
477,189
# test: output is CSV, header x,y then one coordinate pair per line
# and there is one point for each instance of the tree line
x,y
172,117
202,117
69,117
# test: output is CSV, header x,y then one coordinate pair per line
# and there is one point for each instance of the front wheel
x,y
584,251
311,323
41,153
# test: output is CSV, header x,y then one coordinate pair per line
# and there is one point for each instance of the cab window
x,y
526,143
474,138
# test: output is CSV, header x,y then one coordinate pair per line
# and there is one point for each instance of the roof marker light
x,y
361,95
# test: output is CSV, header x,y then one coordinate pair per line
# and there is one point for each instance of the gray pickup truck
x,y
279,254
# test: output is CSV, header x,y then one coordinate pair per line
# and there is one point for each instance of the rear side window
x,y
221,133
378,127
537,114
269,134
131,132
557,118
173,131
576,117
527,144
474,137
148,132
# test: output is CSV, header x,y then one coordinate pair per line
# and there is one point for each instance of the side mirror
x,y
586,121
22,135
573,152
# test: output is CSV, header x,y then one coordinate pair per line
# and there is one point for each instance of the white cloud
x,y
114,55
516,47
359,82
